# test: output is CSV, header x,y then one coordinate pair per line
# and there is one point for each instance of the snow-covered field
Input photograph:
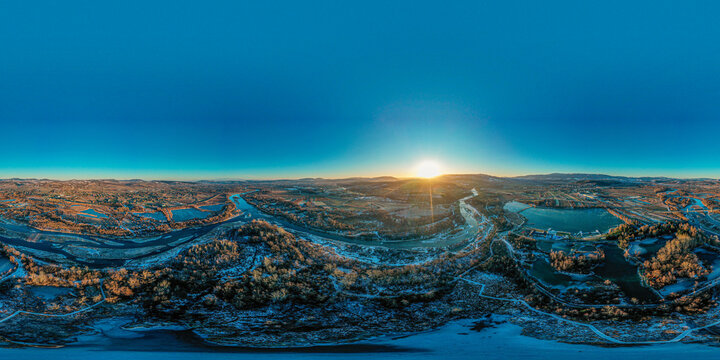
x,y
457,340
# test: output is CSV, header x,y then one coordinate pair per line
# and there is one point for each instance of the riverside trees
x,y
576,263
675,260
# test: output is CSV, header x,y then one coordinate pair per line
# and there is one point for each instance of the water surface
x,y
188,214
568,220
216,207
618,270
92,213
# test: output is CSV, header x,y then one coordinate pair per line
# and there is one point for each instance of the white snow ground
x,y
454,341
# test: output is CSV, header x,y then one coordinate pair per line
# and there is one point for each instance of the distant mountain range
x,y
533,177
596,177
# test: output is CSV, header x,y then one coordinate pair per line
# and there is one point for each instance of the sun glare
x,y
428,169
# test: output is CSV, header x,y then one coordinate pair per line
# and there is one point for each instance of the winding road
x,y
589,326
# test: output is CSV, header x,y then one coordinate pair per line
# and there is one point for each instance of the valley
x,y
587,259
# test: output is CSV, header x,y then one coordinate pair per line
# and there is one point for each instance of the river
x,y
48,241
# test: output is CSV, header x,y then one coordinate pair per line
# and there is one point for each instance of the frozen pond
x,y
646,248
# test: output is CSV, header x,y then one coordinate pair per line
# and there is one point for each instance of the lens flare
x,y
428,169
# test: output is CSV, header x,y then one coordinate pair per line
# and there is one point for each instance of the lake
x,y
567,220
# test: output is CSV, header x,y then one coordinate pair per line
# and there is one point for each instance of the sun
x,y
428,169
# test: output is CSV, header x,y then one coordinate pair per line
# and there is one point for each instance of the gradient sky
x,y
233,89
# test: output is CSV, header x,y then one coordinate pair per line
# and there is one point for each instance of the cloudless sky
x,y
268,89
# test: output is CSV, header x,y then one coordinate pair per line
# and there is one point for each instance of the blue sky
x,y
232,89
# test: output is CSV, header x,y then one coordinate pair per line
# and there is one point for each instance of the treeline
x,y
622,217
675,259
287,274
491,205
576,263
625,233
712,204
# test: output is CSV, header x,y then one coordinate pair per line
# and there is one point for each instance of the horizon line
x,y
220,179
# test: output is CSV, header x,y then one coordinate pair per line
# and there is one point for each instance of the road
x,y
586,325
23,312
594,329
